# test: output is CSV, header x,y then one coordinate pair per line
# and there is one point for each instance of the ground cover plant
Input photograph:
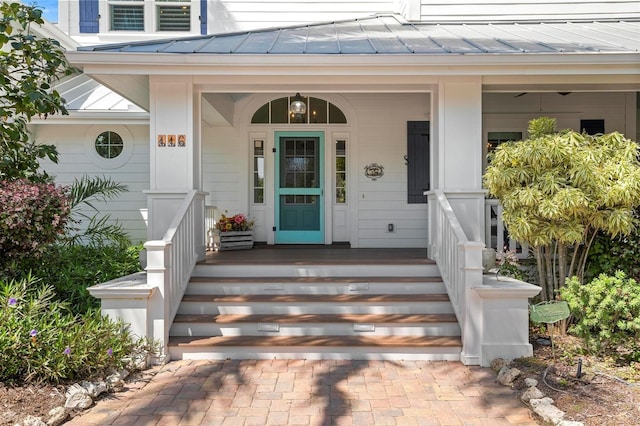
x,y
43,341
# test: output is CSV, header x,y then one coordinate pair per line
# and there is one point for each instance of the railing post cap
x,y
156,244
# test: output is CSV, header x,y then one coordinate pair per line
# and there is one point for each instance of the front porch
x,y
322,302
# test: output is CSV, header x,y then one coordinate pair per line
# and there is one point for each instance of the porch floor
x,y
338,254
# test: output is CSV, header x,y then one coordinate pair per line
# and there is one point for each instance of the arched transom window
x,y
318,111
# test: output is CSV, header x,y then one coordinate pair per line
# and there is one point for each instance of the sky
x,y
50,8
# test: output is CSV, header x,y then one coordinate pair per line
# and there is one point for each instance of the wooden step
x,y
316,318
317,341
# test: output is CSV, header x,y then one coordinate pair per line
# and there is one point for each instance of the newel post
x,y
504,304
127,299
471,256
158,276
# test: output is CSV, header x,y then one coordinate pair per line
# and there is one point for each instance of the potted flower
x,y
235,232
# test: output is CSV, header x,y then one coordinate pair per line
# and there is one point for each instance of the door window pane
x,y
341,171
299,164
258,171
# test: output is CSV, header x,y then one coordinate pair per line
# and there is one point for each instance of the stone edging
x,y
543,406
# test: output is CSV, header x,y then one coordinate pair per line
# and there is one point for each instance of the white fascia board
x,y
401,64
105,117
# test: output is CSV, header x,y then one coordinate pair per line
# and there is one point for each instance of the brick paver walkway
x,y
299,392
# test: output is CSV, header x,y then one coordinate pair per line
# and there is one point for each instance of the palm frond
x,y
88,189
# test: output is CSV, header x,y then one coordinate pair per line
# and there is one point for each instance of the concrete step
x,y
316,325
428,348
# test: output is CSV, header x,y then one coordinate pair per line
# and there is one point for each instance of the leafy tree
x,y
29,67
558,189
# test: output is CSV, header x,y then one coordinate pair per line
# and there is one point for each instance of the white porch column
x,y
457,151
175,152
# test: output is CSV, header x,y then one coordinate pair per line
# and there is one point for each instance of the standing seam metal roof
x,y
390,34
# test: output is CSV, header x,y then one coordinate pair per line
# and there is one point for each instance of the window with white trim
x,y
165,15
318,111
109,144
126,15
258,171
341,171
173,15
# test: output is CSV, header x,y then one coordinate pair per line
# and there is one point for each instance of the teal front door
x,y
299,188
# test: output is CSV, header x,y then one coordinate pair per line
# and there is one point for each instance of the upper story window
x,y
131,15
173,15
317,111
126,15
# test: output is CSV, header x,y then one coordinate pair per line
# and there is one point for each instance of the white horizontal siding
x,y
76,159
382,139
226,169
505,10
242,15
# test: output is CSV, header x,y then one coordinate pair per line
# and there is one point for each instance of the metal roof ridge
x,y
527,21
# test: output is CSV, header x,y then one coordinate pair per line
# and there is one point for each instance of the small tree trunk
x,y
585,255
549,269
575,256
542,282
562,265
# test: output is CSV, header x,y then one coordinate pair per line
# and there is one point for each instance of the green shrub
x,y
71,269
41,340
607,314
608,255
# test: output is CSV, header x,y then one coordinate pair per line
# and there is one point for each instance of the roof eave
x,y
398,64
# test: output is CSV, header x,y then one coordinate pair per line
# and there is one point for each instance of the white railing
x,y
497,236
170,261
492,313
460,264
